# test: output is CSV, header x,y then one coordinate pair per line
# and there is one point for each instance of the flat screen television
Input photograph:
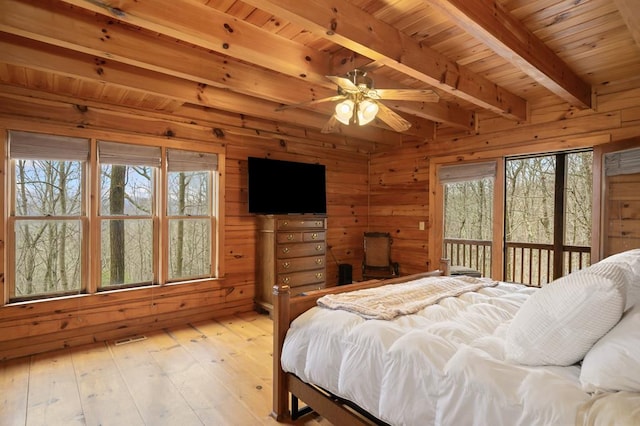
x,y
286,187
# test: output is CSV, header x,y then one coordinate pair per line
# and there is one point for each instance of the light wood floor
x,y
210,373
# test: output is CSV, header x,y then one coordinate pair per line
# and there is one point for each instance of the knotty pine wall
x,y
399,178
28,328
396,202
399,203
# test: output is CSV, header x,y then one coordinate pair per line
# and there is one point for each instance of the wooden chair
x,y
377,263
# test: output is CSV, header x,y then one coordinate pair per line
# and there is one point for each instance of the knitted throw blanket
x,y
392,300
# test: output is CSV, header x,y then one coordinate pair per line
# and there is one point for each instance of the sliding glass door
x,y
547,218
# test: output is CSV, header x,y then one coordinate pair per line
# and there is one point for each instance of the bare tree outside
x,y
469,209
579,190
189,209
530,218
127,230
468,223
116,227
50,211
47,249
531,212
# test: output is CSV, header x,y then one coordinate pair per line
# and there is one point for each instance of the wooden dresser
x,y
290,251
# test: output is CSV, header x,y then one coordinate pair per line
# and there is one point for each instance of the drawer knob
x,y
314,236
319,261
318,223
286,280
286,265
290,237
319,275
285,223
285,250
319,247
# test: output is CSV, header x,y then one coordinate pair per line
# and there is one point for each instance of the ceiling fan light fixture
x,y
344,111
367,111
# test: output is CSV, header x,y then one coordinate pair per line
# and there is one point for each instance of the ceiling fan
x,y
359,102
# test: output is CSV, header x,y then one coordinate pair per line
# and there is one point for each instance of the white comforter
x,y
441,366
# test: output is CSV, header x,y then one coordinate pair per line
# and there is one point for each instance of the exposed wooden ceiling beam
x,y
103,37
631,15
490,23
18,101
96,36
191,22
37,55
354,29
204,26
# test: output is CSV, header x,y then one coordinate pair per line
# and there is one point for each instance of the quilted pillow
x,y
630,260
560,322
613,363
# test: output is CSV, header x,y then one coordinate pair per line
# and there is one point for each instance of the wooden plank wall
x,y
399,203
400,178
395,200
29,328
622,218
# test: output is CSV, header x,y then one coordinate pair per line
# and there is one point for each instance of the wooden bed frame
x,y
285,310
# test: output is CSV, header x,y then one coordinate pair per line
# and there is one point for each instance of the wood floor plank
x,y
53,391
210,373
253,334
104,394
205,393
14,383
156,398
224,361
259,320
248,340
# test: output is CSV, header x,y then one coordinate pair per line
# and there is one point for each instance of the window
x,y
468,214
523,219
47,214
153,217
127,199
189,207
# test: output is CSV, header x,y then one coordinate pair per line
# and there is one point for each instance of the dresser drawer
x,y
296,279
313,236
284,224
306,288
299,264
300,250
297,237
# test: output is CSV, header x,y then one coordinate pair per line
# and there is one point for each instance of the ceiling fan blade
x,y
331,125
316,101
418,95
392,119
344,83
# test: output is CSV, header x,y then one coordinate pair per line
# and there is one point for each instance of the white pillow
x,y
560,322
613,363
629,259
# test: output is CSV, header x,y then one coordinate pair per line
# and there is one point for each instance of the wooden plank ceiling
x,y
232,63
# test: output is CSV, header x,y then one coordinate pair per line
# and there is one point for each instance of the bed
x,y
496,353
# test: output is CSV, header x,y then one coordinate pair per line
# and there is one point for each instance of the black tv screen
x,y
286,187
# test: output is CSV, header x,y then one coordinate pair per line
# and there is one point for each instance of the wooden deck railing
x,y
526,263
532,264
475,254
